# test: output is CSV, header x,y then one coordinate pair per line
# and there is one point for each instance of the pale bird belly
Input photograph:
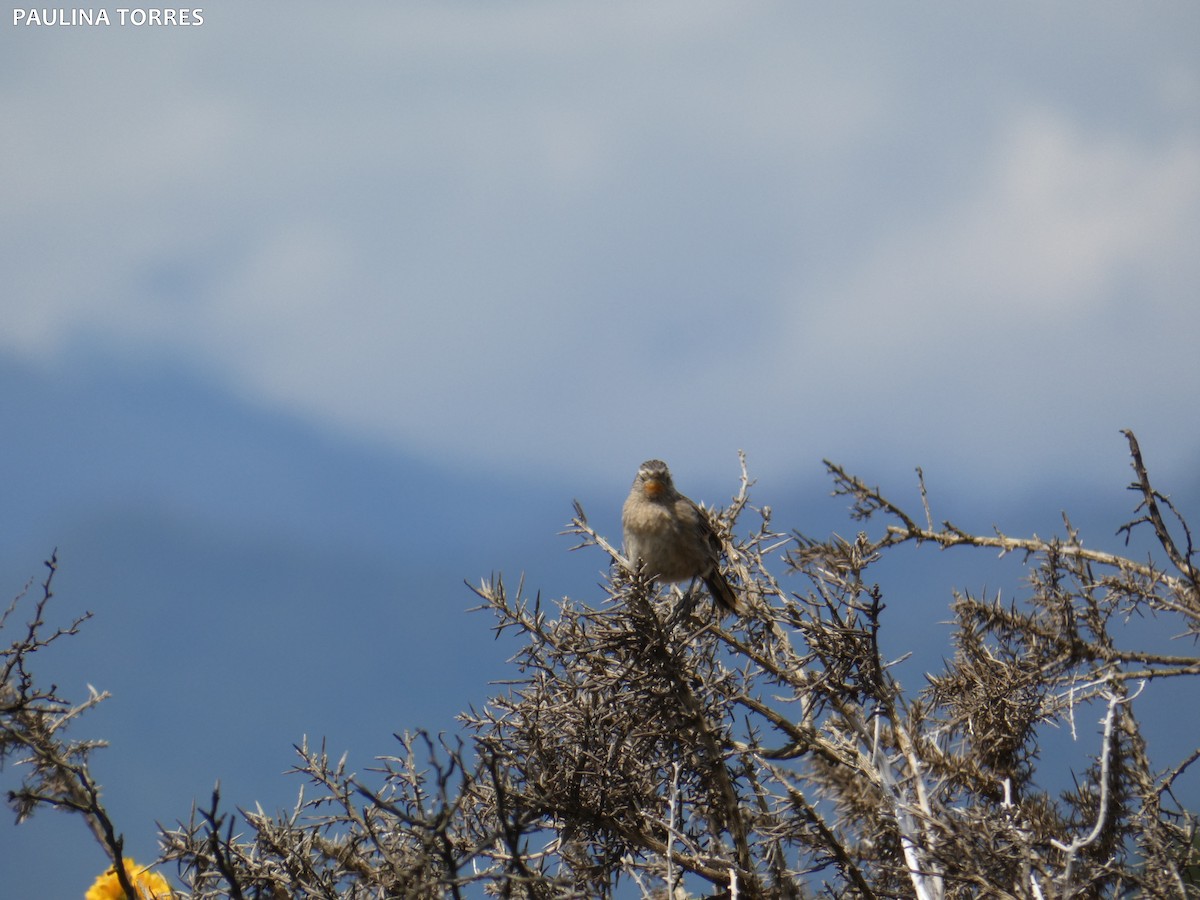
x,y
668,557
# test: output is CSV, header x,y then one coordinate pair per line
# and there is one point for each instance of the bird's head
x,y
655,478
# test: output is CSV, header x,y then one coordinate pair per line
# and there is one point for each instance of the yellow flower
x,y
149,885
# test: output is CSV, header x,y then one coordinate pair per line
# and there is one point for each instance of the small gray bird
x,y
671,536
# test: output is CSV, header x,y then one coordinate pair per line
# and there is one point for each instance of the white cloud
x,y
571,234
1059,223
1054,298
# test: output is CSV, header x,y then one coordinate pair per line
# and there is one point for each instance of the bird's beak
x,y
653,487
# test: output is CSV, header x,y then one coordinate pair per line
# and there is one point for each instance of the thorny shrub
x,y
647,747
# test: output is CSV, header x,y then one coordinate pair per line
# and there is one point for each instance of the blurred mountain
x,y
254,580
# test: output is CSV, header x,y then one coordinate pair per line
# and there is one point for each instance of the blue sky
x,y
342,289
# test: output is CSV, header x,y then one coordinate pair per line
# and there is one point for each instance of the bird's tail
x,y
722,592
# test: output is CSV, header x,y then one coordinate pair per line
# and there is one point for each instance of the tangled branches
x,y
645,742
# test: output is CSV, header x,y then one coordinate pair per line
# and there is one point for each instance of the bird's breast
x,y
667,547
